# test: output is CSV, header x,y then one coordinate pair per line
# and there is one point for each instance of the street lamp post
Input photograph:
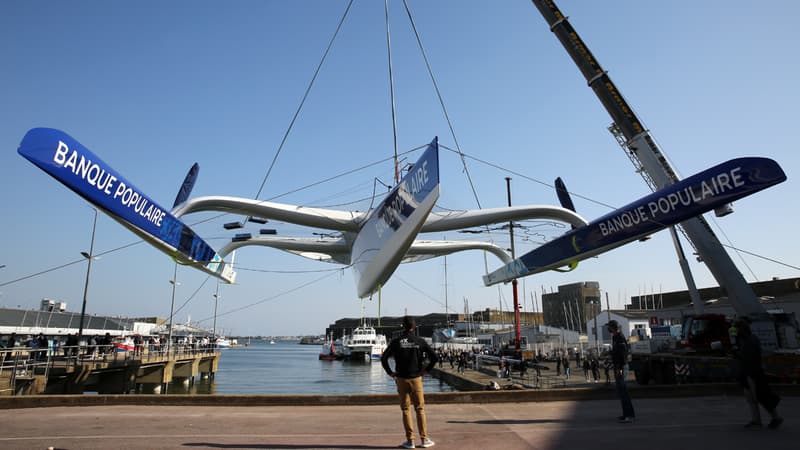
x,y
174,282
216,300
514,281
89,257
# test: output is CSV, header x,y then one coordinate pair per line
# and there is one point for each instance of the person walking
x,y
558,364
413,359
462,362
586,368
619,361
595,366
752,378
607,365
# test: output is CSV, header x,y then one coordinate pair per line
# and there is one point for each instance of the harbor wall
x,y
513,396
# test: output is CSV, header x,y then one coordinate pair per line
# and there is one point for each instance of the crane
x,y
655,166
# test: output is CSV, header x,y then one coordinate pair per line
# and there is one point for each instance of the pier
x,y
103,369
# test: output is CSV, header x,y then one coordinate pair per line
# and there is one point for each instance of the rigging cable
x,y
511,171
441,103
274,297
53,269
188,299
762,257
302,102
734,248
430,297
447,118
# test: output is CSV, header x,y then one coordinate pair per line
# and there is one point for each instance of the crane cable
x,y
441,102
302,102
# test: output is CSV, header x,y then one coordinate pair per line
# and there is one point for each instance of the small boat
x,y
271,341
341,349
222,342
126,345
328,352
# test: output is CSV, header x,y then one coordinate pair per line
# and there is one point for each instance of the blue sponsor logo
x,y
690,197
404,199
66,160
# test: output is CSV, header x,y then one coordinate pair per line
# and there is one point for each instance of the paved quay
x,y
578,415
662,423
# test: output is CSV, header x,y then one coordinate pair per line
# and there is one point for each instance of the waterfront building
x,y
632,322
55,322
776,289
52,320
571,305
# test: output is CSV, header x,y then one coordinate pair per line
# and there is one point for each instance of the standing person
x,y
752,378
409,353
619,361
586,368
595,366
558,364
71,347
565,363
12,342
607,365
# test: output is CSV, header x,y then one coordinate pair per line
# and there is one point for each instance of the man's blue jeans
x,y
622,392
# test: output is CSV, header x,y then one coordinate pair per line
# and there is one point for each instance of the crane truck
x,y
778,334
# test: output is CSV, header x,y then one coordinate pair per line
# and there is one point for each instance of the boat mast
x,y
391,95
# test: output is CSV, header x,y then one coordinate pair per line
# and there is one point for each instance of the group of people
x,y
72,345
414,358
590,365
751,378
457,359
39,345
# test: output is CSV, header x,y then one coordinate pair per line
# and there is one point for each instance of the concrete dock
x,y
662,423
580,415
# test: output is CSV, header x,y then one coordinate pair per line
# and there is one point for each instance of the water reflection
x,y
201,386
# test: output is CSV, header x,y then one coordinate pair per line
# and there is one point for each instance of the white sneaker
x,y
427,443
407,444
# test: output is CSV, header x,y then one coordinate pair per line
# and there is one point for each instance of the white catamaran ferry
x,y
365,342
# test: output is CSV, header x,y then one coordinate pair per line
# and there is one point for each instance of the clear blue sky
x,y
153,87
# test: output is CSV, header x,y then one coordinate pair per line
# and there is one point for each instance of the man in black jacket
x,y
619,361
410,352
753,379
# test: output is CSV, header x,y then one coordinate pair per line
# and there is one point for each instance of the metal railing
x,y
21,363
24,362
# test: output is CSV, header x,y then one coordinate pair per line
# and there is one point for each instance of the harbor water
x,y
288,367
